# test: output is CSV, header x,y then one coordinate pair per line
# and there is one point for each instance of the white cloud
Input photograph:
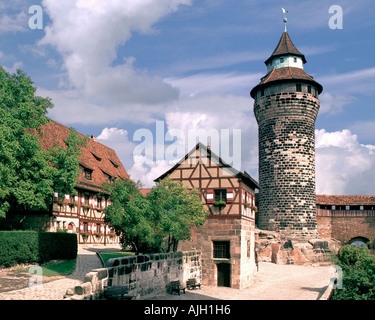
x,y
349,83
146,174
343,165
88,34
216,61
13,22
118,140
17,65
333,104
227,117
215,83
341,139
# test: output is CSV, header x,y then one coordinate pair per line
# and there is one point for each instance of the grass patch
x,y
62,268
109,255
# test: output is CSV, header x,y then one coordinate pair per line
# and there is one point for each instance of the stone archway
x,y
359,242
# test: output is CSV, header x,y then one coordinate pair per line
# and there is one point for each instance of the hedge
x,y
28,247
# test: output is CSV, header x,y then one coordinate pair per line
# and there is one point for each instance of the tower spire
x,y
285,19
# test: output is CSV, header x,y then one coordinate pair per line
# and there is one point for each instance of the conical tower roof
x,y
285,47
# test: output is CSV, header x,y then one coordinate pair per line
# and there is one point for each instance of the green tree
x,y
168,213
29,174
130,214
358,267
24,170
176,210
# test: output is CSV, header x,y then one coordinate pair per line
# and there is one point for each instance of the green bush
x,y
57,246
18,247
28,247
358,267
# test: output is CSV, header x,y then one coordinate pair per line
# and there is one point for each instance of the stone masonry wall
x,y
145,276
240,234
287,162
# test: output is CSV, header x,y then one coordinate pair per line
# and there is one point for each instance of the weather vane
x,y
285,19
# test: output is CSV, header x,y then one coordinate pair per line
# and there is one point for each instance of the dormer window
x,y
96,157
88,174
114,164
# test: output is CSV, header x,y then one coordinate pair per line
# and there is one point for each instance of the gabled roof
x,y
285,47
337,200
216,159
95,156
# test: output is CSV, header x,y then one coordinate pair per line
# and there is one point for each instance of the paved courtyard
x,y
272,282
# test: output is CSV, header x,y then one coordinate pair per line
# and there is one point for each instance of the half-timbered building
x,y
226,240
83,211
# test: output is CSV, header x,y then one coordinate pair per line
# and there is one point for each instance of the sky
x,y
146,77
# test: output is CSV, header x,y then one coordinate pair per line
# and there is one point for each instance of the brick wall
x,y
343,227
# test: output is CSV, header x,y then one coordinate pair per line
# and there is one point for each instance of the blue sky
x,y
113,68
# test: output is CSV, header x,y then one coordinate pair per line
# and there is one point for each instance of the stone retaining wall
x,y
145,276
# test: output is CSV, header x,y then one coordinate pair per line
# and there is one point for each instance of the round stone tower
x,y
286,105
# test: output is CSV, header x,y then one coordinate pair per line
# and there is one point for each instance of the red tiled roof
x,y
285,47
323,199
286,74
95,156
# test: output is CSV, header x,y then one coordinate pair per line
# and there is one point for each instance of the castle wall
x,y
145,276
346,225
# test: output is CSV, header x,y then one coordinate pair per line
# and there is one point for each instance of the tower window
x,y
281,60
295,59
299,87
309,89
262,92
